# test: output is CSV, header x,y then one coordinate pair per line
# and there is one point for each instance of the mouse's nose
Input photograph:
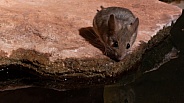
x,y
121,57
118,57
116,54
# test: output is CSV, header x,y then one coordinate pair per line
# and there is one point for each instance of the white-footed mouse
x,y
116,28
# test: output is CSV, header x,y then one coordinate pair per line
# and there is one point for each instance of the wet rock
x,y
53,38
177,33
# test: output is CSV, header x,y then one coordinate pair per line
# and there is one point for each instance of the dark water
x,y
164,85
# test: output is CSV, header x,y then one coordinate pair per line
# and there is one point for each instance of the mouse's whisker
x,y
93,33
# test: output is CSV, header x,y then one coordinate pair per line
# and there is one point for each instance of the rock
x,y
177,33
55,38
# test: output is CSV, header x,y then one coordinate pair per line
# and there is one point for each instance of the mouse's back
x,y
122,15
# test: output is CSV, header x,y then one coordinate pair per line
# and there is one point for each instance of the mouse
x,y
116,28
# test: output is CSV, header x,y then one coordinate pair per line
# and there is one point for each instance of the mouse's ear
x,y
102,7
133,26
112,24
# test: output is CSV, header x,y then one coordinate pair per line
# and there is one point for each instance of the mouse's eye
x,y
128,46
115,44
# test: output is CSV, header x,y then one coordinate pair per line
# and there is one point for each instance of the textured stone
x,y
55,35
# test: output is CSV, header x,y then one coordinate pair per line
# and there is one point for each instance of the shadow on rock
x,y
89,35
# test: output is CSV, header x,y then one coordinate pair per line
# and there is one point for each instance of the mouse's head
x,y
120,37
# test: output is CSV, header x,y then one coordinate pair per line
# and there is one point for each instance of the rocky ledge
x,y
54,39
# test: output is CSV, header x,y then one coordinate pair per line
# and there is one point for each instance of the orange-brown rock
x,y
54,35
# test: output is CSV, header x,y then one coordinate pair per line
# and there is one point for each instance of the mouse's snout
x,y
116,56
120,57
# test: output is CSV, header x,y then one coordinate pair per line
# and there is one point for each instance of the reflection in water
x,y
164,85
119,94
41,95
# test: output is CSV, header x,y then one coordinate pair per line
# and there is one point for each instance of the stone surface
x,y
54,37
179,3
